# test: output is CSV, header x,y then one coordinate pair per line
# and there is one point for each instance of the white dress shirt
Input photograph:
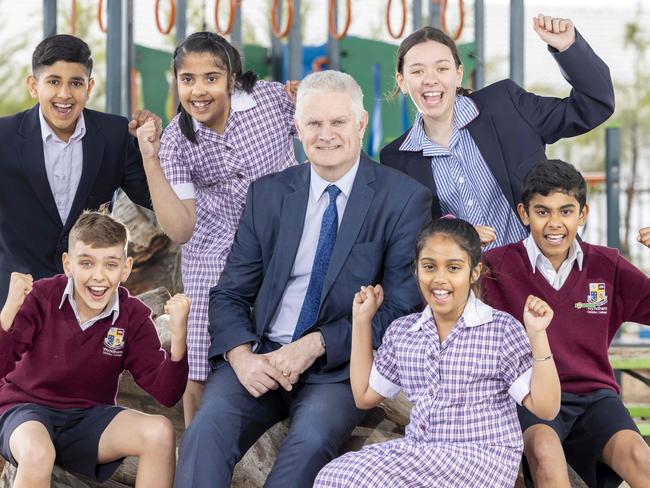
x,y
538,261
286,316
112,308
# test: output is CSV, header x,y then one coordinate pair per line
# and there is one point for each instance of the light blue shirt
x,y
286,315
464,182
63,163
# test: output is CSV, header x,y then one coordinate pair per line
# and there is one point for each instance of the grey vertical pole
x,y
181,20
333,44
236,32
128,55
119,56
435,19
517,41
114,56
49,18
417,14
295,62
612,169
479,40
276,51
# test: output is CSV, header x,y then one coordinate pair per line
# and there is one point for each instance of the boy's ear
x,y
523,214
32,85
65,258
582,218
91,85
126,272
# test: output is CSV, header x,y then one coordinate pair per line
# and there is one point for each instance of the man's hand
x,y
141,117
294,358
20,285
486,233
644,236
255,372
366,303
557,33
148,140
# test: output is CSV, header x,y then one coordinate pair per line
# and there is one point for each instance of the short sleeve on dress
x,y
175,167
516,359
384,377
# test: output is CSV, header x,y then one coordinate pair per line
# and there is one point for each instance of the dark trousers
x,y
230,420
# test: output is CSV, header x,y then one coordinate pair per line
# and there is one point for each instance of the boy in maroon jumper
x,y
64,343
592,290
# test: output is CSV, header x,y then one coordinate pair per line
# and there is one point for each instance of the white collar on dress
x,y
239,102
476,313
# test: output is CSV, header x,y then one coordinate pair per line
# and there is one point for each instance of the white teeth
x,y
63,105
200,104
98,289
435,94
555,238
441,293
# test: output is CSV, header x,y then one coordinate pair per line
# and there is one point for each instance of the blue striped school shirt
x,y
465,185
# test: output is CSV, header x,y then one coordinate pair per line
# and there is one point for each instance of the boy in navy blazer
x,y
59,158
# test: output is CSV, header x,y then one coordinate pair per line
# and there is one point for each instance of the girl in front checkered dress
x,y
461,363
230,130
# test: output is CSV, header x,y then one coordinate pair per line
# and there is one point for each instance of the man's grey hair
x,y
330,81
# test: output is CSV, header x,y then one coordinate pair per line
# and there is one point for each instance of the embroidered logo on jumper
x,y
114,342
596,299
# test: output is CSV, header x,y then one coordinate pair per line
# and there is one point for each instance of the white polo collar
x,y
476,313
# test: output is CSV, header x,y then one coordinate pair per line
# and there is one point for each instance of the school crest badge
x,y
596,299
114,342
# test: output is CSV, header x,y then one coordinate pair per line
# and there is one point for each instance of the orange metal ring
x,y
234,5
274,19
461,22
172,17
388,24
317,63
348,18
100,16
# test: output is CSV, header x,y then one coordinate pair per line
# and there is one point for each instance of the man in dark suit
x,y
59,158
297,269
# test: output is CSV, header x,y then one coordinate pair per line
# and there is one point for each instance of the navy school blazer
x,y
514,126
375,244
32,236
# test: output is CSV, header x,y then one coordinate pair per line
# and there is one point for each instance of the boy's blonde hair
x,y
98,230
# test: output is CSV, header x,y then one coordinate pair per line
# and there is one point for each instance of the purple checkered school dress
x,y
464,431
257,140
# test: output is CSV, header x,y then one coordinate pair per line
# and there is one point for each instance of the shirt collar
x,y
536,257
112,308
318,184
240,101
465,111
47,132
476,313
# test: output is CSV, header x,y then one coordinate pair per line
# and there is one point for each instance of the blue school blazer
x,y
375,244
514,126
32,236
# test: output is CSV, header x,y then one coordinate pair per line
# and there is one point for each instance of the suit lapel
x,y
33,162
93,152
485,137
356,209
292,218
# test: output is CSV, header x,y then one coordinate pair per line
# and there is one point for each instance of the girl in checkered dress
x,y
461,363
230,130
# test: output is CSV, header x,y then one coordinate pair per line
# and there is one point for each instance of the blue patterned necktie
x,y
326,241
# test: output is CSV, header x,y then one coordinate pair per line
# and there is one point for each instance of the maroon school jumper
x,y
589,308
58,365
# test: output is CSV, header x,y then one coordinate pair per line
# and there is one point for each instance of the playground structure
x,y
370,62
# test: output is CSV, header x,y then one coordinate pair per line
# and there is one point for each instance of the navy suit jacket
x,y
32,236
514,126
375,244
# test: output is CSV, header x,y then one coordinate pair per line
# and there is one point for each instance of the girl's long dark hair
x,y
225,55
423,35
